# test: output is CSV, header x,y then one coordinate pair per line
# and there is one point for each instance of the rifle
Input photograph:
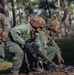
x,y
33,48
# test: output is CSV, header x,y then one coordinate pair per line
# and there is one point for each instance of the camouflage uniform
x,y
4,24
18,35
53,48
47,45
41,40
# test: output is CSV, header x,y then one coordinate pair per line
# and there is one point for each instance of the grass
x,y
5,68
6,65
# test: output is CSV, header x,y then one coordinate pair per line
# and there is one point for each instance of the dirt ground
x,y
6,67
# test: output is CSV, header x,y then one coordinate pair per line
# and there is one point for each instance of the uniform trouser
x,y
2,54
18,55
51,52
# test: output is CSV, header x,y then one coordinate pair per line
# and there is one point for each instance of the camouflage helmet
x,y
38,22
53,24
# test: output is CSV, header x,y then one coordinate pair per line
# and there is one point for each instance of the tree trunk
x,y
59,18
13,11
19,8
5,11
30,10
48,9
66,21
44,14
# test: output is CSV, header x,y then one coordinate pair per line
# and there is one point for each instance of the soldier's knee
x,y
51,48
21,54
18,56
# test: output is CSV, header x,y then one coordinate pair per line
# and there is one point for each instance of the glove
x,y
60,60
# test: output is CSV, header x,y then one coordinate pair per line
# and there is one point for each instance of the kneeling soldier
x,y
3,35
18,36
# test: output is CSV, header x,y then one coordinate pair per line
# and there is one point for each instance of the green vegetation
x,y
5,68
67,47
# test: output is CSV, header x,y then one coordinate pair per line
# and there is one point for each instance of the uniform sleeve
x,y
5,23
53,43
43,39
16,34
16,37
37,40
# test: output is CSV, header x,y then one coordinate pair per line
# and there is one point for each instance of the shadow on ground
x,y
4,72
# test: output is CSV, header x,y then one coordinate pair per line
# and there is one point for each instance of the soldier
x,y
53,48
16,43
41,40
47,43
3,34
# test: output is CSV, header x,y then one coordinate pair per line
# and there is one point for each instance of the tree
x,y
30,10
59,17
66,15
46,5
13,10
5,10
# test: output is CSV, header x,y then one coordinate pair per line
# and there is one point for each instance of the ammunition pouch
x,y
3,37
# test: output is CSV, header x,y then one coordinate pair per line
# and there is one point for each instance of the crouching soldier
x,y
53,48
18,36
3,35
47,43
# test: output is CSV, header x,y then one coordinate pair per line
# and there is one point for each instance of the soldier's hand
x,y
23,43
40,63
60,60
